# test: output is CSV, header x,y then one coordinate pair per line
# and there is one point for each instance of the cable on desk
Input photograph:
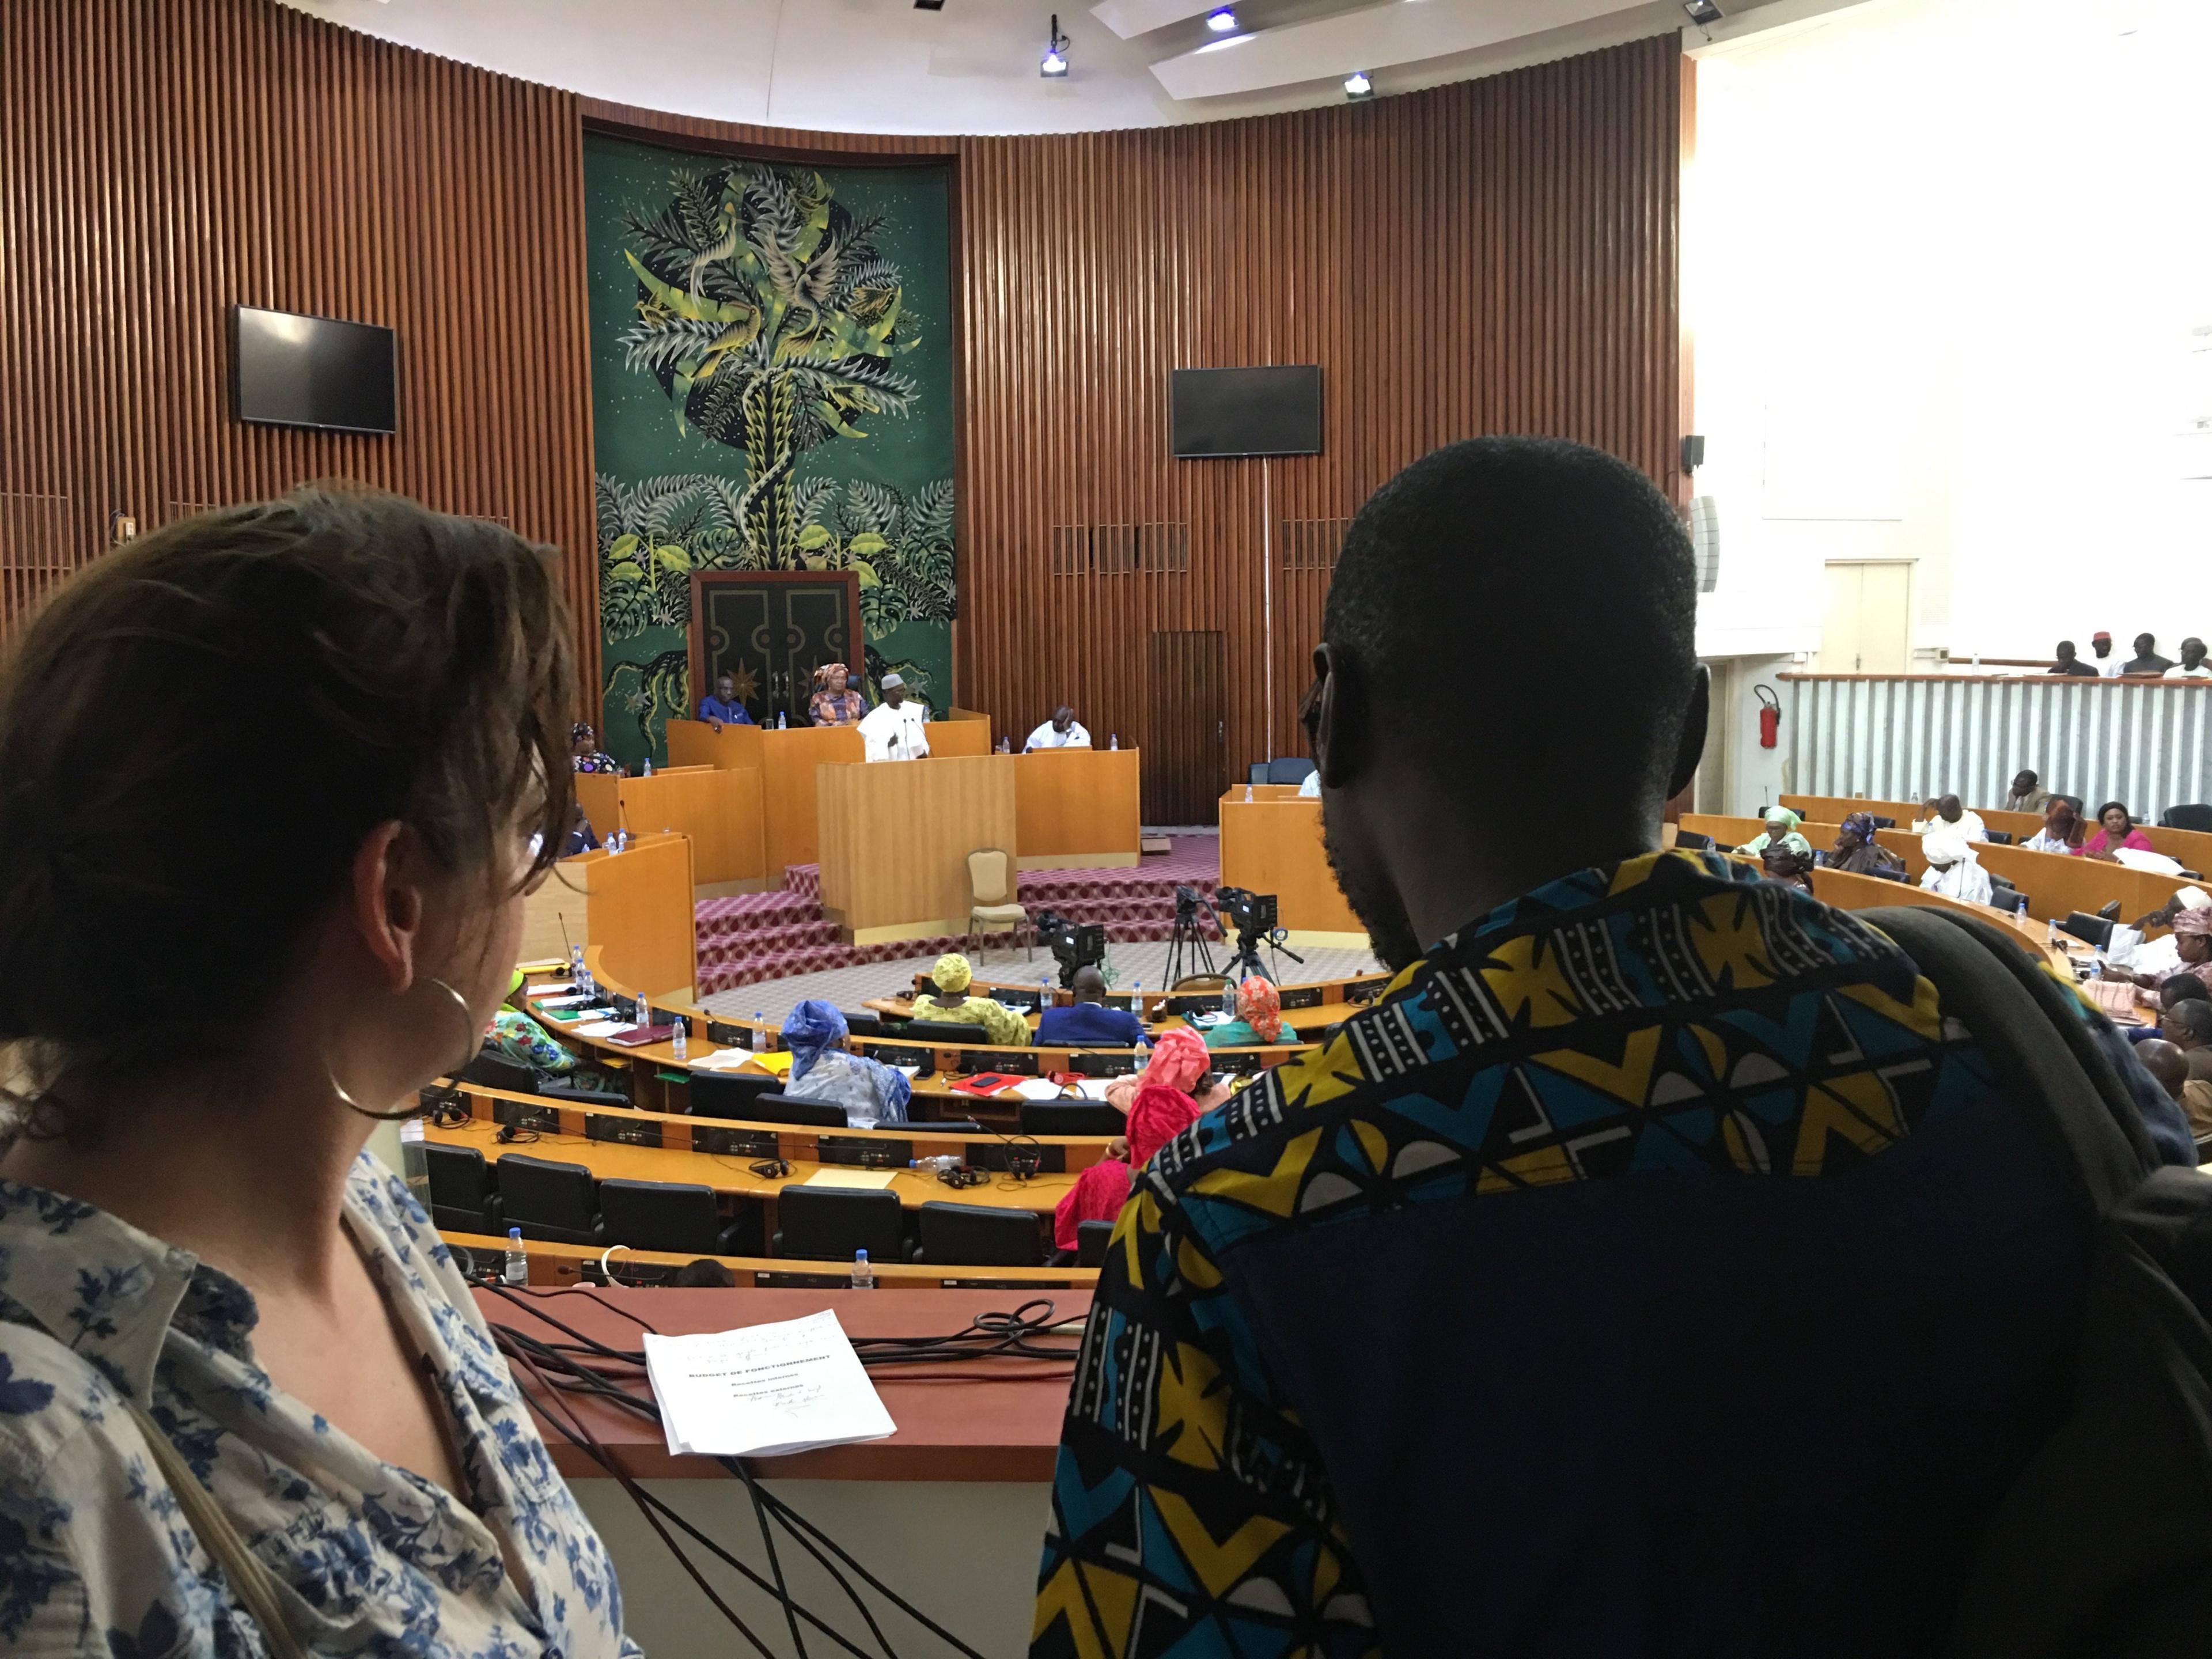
x,y
560,1369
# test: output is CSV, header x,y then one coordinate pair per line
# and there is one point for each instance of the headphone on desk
x,y
963,1177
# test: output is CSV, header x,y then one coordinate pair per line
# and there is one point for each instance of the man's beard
x,y
1376,902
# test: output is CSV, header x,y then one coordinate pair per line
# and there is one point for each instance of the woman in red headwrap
x,y
1157,1116
1179,1062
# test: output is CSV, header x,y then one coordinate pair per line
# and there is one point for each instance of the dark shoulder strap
x,y
2037,1043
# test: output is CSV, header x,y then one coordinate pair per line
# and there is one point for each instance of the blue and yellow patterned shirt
x,y
1674,1015
96,1556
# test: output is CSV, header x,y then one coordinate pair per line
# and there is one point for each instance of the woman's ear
x,y
386,905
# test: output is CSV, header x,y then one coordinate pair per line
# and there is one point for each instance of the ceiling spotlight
x,y
1221,21
1702,12
1357,85
1054,64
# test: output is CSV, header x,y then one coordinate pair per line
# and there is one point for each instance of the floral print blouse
x,y
369,1559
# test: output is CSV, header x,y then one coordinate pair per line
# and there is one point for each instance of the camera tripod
x,y
1246,961
1188,949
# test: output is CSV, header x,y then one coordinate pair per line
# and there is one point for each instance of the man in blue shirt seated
x,y
1088,1019
723,708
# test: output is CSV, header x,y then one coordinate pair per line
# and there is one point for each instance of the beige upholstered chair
x,y
992,884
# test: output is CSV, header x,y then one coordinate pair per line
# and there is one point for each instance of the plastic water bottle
x,y
1137,997
1044,991
576,974
760,1035
648,766
1229,998
937,1165
1113,740
1248,794
863,1276
517,1264
679,1040
782,725
1144,1055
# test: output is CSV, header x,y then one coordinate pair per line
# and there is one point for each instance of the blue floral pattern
x,y
95,1555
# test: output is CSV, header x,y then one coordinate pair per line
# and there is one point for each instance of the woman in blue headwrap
x,y
1858,851
870,1091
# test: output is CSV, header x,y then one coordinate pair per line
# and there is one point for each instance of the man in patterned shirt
x,y
1652,1269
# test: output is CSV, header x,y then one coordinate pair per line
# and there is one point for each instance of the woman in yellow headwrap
x,y
953,975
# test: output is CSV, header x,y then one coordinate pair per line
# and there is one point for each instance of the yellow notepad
x,y
876,1179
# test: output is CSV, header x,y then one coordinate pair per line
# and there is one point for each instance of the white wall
x,y
1942,262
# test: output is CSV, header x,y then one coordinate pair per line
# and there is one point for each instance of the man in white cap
x,y
894,729
1953,869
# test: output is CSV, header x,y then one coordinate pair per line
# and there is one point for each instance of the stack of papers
x,y
571,1000
720,1059
559,987
600,1028
764,1391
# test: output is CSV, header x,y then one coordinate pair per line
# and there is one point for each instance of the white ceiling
x,y
884,66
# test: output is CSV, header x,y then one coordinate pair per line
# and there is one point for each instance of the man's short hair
x,y
2193,1017
705,1273
1510,544
2183,987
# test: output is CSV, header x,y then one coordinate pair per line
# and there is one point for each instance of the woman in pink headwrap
x,y
1179,1062
1157,1116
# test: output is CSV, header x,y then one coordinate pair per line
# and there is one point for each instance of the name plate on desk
x,y
734,1143
612,1125
513,1114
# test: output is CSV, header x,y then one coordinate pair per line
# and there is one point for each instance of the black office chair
x,y
1885,823
1289,768
1692,839
730,1094
2194,817
1070,1117
798,1111
464,1194
979,1236
862,1024
2109,910
665,1215
2074,801
549,1200
576,1094
491,1069
829,1224
1092,1238
2093,931
2000,838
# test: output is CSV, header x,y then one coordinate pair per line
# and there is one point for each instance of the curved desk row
x,y
560,1267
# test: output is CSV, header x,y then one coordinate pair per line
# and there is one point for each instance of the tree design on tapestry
x,y
773,319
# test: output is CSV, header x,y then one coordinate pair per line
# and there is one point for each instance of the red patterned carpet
x,y
773,935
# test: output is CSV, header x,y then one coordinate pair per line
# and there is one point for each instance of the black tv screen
x,y
1245,411
291,370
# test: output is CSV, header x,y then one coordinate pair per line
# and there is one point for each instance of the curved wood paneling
x,y
162,160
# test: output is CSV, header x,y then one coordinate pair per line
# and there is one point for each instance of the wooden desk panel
x,y
1274,846
599,794
1077,809
995,1419
733,1176
695,743
1847,892
557,1266
720,810
896,837
959,738
639,916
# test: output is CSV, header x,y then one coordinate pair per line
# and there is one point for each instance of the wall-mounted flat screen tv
x,y
1245,411
291,370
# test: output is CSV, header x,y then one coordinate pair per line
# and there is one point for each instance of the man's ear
x,y
1695,718
1335,714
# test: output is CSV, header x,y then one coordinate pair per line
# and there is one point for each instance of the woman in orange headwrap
x,y
1157,1116
1259,1017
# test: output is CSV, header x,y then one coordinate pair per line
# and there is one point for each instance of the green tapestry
x,y
771,390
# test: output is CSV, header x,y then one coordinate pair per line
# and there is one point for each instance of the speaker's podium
x,y
895,838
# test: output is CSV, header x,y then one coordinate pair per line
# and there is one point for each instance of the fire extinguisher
x,y
1769,715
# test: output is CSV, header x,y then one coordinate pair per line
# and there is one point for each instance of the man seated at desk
x,y
952,976
1088,1021
723,708
895,728
1060,731
1953,869
1949,813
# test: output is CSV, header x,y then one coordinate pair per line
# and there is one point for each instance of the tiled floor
x,y
847,987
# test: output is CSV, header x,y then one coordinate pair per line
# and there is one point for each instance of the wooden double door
x,y
769,630
1186,761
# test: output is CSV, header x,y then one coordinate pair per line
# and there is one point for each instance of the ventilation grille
x,y
1706,541
1119,549
1312,544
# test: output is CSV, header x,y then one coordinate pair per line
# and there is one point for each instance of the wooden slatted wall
x,y
1497,256
160,160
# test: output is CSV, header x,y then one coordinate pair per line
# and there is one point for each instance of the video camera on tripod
x,y
1073,944
1253,915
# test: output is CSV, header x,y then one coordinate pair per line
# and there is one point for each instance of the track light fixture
x,y
1702,12
1358,86
1054,64
1222,22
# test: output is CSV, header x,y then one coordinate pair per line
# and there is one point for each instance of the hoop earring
x,y
418,1109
